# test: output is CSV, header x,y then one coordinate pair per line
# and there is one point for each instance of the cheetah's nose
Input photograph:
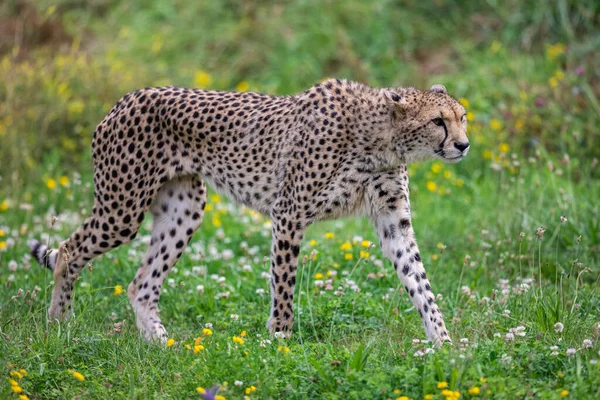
x,y
462,146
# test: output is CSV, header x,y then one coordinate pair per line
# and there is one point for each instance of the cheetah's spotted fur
x,y
339,148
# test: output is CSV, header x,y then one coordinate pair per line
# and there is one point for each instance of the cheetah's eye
x,y
438,121
463,118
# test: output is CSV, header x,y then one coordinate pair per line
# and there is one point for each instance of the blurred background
x,y
527,72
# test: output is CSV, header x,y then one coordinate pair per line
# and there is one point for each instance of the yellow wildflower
x,y
519,124
250,389
285,349
206,332
559,75
483,380
496,124
202,79
561,374
553,82
170,342
487,154
238,340
436,167
23,397
346,246
465,103
402,398
198,348
243,86
397,391
447,174
442,385
364,254
208,208
78,376
51,184
17,389
434,257
474,390
216,221
118,290
4,205
215,198
365,243
470,116
329,235
555,50
460,183
496,46
219,397
244,333
428,397
63,180
16,374
12,382
2,245
564,393
23,371
504,148
348,256
318,275
431,186
447,393
313,243
187,346
200,390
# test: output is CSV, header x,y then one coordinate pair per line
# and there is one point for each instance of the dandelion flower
x,y
170,342
202,79
238,340
431,186
17,389
23,397
346,246
63,180
78,376
442,385
348,256
564,393
329,235
318,275
313,243
474,390
118,290
206,332
250,389
243,86
16,374
51,184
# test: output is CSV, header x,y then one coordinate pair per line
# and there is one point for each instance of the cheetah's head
x,y
428,124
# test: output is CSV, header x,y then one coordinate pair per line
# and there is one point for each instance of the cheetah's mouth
x,y
441,154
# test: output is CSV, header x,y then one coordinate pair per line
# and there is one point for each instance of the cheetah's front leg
x,y
392,220
287,237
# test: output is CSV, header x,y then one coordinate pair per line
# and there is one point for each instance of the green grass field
x,y
510,237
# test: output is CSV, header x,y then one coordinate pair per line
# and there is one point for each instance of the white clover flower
x,y
208,325
223,295
464,341
279,335
319,283
497,335
238,383
247,268
593,361
416,342
12,265
234,317
509,337
227,254
558,327
200,289
171,282
554,354
571,352
265,275
465,290
554,348
519,331
260,291
587,344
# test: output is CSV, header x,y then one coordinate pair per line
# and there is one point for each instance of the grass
x,y
527,77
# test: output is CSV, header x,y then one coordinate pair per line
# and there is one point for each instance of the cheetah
x,y
340,148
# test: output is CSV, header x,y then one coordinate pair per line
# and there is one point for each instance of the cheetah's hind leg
x,y
177,212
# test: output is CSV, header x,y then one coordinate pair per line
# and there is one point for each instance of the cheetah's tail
x,y
44,255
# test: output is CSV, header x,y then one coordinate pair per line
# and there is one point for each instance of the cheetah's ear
x,y
438,89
